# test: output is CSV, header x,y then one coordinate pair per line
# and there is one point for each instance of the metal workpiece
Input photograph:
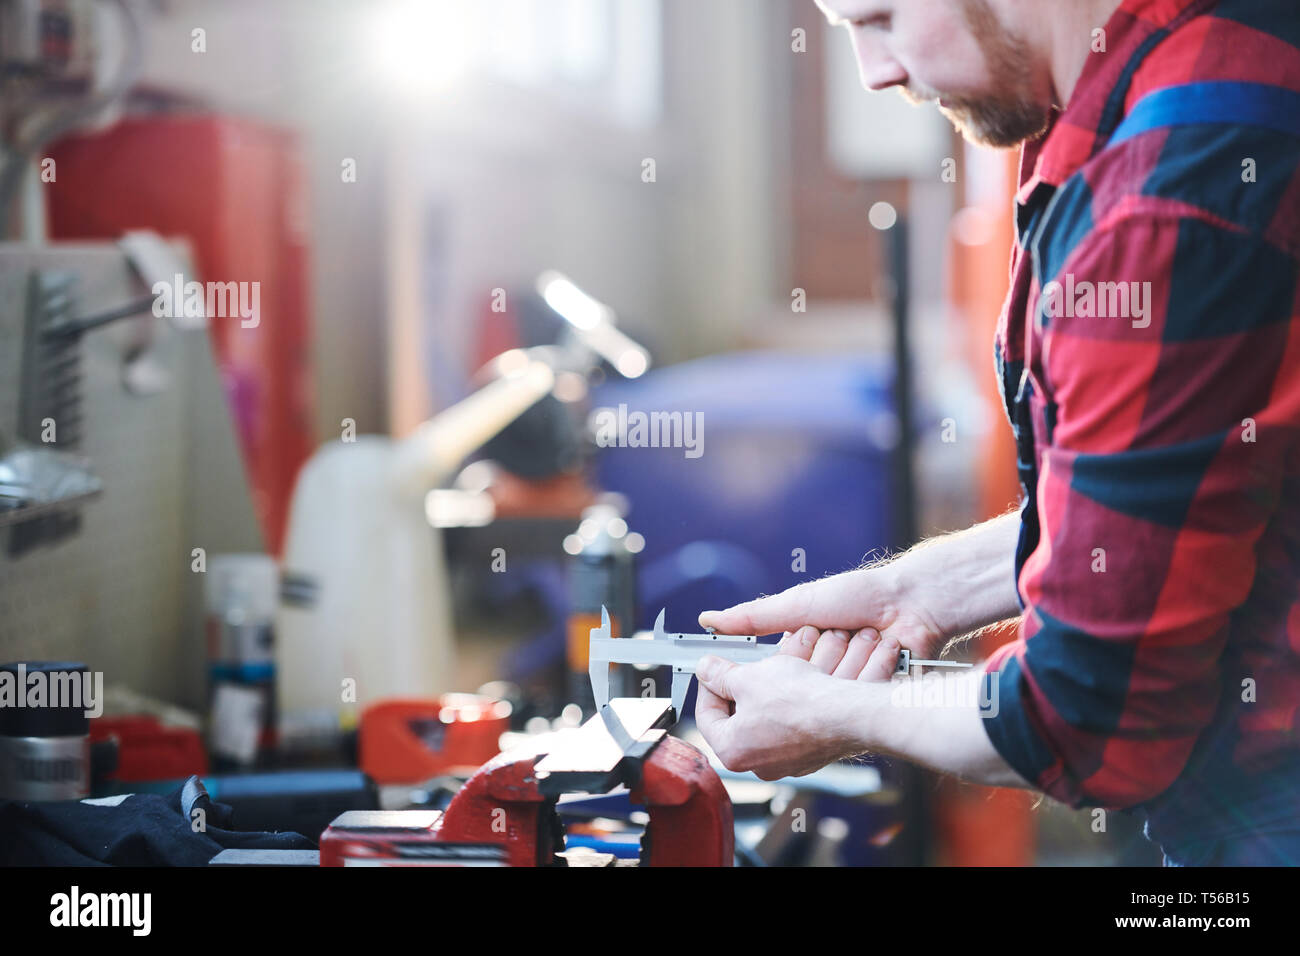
x,y
681,652
607,751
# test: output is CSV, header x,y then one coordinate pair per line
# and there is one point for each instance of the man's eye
x,y
881,21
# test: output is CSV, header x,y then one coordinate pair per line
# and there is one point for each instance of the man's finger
x,y
857,653
817,603
711,715
883,661
801,643
829,650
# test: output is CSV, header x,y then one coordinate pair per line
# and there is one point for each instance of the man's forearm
x,y
966,579
934,721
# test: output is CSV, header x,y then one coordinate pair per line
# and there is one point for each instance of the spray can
x,y
241,595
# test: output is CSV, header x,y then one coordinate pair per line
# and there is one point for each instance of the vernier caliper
x,y
682,652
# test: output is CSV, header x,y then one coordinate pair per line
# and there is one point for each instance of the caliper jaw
x,y
598,670
681,652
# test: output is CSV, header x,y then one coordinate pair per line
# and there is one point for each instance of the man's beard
x,y
1007,116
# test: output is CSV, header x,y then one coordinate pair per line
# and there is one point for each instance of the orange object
x,y
406,740
562,496
983,826
581,624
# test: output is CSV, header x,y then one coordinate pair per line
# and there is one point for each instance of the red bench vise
x,y
505,813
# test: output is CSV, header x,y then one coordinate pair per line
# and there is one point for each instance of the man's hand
x,y
942,588
786,717
868,603
795,712
779,718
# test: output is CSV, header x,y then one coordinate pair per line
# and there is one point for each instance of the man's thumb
x,y
715,674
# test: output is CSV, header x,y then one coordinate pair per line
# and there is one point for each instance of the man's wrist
x,y
860,712
960,582
947,733
907,584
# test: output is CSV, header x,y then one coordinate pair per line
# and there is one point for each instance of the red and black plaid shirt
x,y
1159,432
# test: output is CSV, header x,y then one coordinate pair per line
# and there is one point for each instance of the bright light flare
x,y
883,216
419,47
571,303
595,324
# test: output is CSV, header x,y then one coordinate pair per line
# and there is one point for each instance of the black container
x,y
44,731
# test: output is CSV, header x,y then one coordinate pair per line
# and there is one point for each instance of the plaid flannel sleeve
x,y
1167,435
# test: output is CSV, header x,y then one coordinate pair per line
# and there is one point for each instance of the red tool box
x,y
235,189
147,750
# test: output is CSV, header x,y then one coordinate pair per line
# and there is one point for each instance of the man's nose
x,y
876,68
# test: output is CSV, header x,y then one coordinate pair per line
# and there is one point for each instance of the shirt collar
x,y
1072,137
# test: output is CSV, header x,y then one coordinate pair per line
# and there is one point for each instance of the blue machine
x,y
795,454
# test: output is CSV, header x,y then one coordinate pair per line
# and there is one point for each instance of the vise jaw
x,y
506,812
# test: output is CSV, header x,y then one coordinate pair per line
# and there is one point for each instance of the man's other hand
x,y
781,717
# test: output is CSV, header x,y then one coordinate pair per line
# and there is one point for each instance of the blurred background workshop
x,y
354,356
